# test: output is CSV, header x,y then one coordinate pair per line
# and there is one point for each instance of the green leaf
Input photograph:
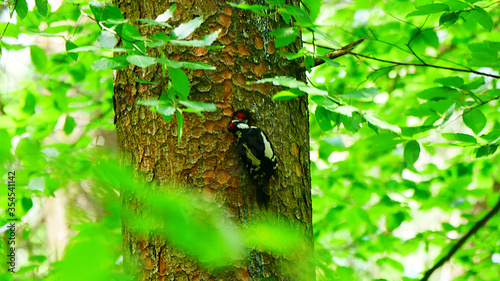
x,y
5,145
330,62
185,29
448,19
150,102
38,57
70,46
180,82
21,8
105,11
321,35
198,106
386,260
254,8
166,111
439,92
393,221
184,64
482,17
130,33
324,118
107,39
141,61
313,6
440,106
486,150
346,110
167,14
430,38
291,55
149,22
301,17
362,94
287,94
411,152
285,36
475,120
429,9
491,136
69,125
289,82
382,124
459,137
41,6
478,82
30,103
109,63
275,3
206,40
180,121
453,81
456,5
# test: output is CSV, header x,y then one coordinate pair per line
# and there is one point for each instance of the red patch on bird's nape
x,y
240,115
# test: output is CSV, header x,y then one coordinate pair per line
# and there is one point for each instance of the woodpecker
x,y
256,152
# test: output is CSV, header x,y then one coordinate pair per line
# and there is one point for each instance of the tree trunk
x,y
206,159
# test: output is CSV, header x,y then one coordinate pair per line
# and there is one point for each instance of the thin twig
x,y
428,65
462,241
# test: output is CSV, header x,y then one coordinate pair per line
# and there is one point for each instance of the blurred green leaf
x,y
69,125
285,36
362,94
107,39
411,152
439,92
21,8
429,9
482,17
453,81
486,150
475,120
38,57
459,137
71,46
41,6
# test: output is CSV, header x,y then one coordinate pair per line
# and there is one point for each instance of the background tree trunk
x,y
206,160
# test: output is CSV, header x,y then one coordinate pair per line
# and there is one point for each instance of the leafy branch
x,y
110,30
462,241
333,54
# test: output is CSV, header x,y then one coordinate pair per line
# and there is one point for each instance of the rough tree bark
x,y
206,160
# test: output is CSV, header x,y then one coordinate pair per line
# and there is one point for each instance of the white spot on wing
x,y
268,151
